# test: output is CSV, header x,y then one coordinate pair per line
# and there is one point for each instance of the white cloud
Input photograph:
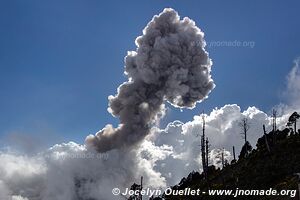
x,y
72,171
19,198
292,93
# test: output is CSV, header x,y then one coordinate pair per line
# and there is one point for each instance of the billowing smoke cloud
x,y
170,63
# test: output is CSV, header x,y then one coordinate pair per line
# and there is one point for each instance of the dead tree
x,y
233,152
245,126
266,139
203,148
206,153
274,120
274,125
141,188
223,161
207,162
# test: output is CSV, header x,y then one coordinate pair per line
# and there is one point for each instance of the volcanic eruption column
x,y
169,64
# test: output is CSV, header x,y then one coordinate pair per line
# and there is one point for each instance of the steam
x,y
74,172
170,64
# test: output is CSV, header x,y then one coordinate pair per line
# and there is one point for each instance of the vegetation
x,y
272,164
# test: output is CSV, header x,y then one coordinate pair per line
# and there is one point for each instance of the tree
x,y
203,148
247,148
293,121
207,153
220,157
137,187
274,120
233,153
266,139
245,126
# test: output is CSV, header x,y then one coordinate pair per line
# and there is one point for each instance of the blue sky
x,y
60,59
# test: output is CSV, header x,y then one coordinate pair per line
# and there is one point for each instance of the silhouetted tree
x,y
135,187
207,152
247,148
233,153
274,120
293,121
203,148
223,159
245,126
283,134
274,125
266,139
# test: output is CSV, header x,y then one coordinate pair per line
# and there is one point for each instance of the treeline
x,y
272,164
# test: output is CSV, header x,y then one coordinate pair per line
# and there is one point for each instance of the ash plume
x,y
169,64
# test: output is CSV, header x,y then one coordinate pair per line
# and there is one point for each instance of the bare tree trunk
x,y
266,139
141,196
245,131
233,151
203,149
206,167
223,162
206,150
275,120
